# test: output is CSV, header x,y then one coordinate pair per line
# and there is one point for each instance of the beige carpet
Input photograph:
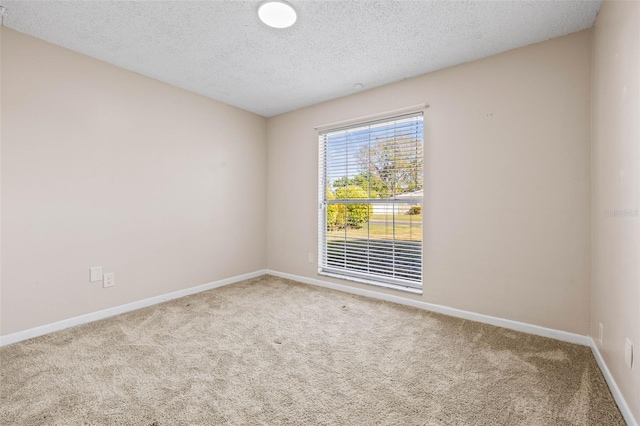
x,y
270,351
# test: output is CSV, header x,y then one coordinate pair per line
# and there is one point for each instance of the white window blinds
x,y
370,193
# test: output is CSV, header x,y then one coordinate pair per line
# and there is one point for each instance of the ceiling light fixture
x,y
277,14
358,86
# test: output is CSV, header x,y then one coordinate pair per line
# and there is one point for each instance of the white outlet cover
x,y
600,333
109,280
628,353
95,273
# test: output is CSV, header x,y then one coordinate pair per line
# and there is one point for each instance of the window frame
x,y
352,275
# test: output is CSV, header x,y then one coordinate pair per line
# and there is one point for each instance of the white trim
x,y
372,117
327,272
564,336
109,312
613,386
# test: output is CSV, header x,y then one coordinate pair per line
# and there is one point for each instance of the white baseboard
x,y
500,322
613,386
94,316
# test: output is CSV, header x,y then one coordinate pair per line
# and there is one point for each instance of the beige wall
x,y
507,193
105,167
616,186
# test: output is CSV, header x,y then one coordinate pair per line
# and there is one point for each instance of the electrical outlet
x,y
109,280
95,273
310,257
600,333
628,353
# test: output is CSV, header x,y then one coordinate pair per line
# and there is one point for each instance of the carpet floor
x,y
272,351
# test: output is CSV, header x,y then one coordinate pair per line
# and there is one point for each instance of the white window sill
x,y
370,282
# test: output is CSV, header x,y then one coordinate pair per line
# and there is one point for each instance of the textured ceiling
x,y
221,50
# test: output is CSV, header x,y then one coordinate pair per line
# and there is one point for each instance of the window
x,y
370,193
